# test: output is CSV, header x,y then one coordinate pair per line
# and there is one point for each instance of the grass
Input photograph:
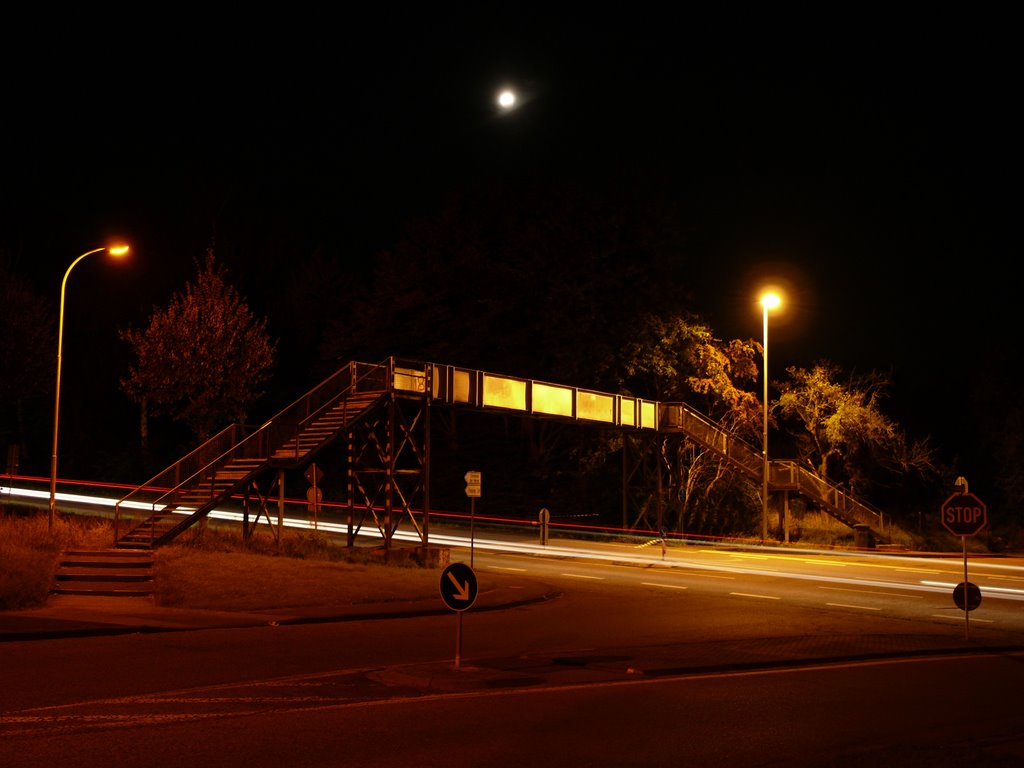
x,y
213,569
30,552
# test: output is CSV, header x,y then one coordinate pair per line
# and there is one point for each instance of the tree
x,y
27,334
679,358
203,359
841,430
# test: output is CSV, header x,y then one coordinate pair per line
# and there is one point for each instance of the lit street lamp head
x,y
771,300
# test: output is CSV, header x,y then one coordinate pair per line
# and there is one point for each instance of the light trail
x,y
604,553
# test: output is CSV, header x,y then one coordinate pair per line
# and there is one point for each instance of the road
x,y
914,588
705,658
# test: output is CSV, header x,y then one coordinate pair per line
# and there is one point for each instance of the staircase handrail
x,y
826,492
170,478
712,435
355,379
350,379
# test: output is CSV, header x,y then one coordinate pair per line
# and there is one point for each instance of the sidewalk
x,y
66,616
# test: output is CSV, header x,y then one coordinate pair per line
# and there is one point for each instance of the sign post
x,y
458,590
472,479
963,515
314,495
544,518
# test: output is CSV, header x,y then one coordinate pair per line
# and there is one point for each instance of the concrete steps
x,y
105,573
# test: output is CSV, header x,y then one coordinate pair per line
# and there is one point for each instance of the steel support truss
x,y
389,469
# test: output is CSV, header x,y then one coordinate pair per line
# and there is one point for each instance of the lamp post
x,y
116,251
769,300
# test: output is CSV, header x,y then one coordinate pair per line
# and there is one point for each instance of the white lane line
x,y
666,586
848,605
582,576
872,592
505,568
960,618
761,597
705,575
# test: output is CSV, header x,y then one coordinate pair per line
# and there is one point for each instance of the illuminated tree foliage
x,y
679,358
841,430
676,358
202,360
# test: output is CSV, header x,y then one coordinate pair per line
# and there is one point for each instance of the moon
x,y
507,98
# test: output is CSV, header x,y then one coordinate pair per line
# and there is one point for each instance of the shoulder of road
x,y
92,615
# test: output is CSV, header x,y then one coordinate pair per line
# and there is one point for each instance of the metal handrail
x,y
350,380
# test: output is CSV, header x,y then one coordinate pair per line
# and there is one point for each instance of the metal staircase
x,y
187,491
782,475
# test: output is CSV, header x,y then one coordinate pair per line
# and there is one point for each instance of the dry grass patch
x,y
236,581
30,552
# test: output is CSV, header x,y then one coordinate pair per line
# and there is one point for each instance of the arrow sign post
x,y
458,590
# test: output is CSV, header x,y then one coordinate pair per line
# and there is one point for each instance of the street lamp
x,y
116,251
769,300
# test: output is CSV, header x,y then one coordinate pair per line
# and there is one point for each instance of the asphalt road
x,y
707,658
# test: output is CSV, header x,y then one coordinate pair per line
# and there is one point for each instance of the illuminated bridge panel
x,y
552,399
502,392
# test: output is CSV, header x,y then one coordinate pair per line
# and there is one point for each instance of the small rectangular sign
x,y
473,491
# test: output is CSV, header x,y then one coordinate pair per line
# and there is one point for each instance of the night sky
x,y
873,161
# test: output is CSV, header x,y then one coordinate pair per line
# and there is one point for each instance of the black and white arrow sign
x,y
458,586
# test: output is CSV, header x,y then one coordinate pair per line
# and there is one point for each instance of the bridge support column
x,y
388,469
280,506
785,516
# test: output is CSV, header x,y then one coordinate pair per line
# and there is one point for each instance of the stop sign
x,y
964,514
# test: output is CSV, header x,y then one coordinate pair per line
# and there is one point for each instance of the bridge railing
x,y
681,417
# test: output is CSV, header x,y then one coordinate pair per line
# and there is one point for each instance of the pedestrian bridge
x,y
382,411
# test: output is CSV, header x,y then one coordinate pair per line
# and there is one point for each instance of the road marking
x,y
582,576
873,592
761,597
959,618
848,605
705,574
505,568
824,562
666,586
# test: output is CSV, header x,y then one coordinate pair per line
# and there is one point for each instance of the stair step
x,y
127,564
101,590
101,554
101,574
116,572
